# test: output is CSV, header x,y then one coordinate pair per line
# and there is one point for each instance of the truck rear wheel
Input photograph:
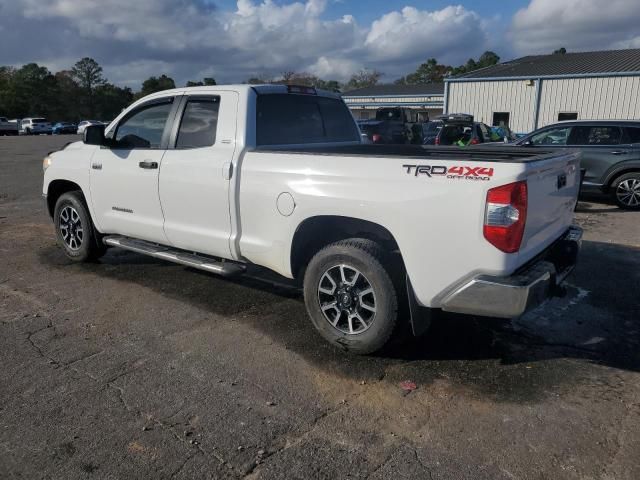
x,y
350,295
74,229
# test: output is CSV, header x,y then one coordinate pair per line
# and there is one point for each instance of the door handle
x,y
620,152
148,164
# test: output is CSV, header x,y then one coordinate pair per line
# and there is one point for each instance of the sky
x,y
233,40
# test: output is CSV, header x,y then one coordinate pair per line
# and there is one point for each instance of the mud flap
x,y
420,316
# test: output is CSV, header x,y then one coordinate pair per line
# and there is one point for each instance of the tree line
x,y
84,93
72,95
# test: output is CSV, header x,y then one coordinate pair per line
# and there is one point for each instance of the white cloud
x,y
187,37
413,33
335,68
545,25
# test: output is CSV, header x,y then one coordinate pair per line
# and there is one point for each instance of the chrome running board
x,y
201,262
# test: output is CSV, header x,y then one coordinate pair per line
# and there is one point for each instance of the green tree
x,y
156,84
331,85
111,100
429,72
487,59
363,78
560,51
206,81
68,107
88,75
34,90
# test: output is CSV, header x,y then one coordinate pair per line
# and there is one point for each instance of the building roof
x,y
427,89
579,63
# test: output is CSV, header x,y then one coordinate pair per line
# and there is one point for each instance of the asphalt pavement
x,y
135,368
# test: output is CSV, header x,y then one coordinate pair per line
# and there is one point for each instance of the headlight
x,y
46,163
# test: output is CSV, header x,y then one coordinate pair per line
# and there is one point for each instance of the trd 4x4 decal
x,y
456,172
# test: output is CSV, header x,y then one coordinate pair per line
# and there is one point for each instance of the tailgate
x,y
552,185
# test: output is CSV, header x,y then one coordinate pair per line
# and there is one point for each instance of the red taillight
x,y
437,141
505,216
376,138
474,141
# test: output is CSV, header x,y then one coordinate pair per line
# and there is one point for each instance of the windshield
x,y
432,128
389,114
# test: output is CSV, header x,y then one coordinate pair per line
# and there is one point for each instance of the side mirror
x,y
94,135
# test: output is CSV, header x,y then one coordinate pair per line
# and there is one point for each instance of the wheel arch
x,y
619,170
314,233
56,189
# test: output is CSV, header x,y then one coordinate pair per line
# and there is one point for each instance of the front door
x,y
195,174
124,176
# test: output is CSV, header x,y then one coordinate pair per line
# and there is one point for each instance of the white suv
x,y
35,126
85,123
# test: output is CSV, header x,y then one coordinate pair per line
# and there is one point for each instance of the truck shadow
x,y
597,322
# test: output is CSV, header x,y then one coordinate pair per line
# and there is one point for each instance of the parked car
x,y
610,155
430,131
393,125
461,129
8,127
35,126
381,132
64,127
219,178
85,123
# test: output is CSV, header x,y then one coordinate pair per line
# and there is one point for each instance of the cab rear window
x,y
289,119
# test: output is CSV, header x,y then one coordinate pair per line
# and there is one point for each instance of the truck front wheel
x,y
74,229
350,295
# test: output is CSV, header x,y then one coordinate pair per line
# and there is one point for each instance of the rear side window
x,y
633,135
597,135
286,119
199,123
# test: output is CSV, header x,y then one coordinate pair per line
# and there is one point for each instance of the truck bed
x,y
475,153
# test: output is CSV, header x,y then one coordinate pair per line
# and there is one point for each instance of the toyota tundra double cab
x,y
379,236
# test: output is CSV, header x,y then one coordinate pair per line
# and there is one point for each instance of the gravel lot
x,y
133,368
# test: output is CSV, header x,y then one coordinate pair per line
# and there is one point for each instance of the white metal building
x,y
531,92
427,99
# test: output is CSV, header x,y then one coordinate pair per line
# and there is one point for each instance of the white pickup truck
x,y
221,177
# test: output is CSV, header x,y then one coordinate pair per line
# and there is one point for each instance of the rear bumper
x,y
510,297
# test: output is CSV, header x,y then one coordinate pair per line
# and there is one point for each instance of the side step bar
x,y
201,262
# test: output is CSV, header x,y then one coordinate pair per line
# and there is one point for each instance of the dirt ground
x,y
134,368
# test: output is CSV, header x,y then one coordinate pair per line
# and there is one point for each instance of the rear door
x,y
601,147
195,174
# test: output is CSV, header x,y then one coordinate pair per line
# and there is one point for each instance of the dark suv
x,y
459,129
610,154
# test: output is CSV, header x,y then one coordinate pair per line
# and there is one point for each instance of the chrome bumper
x,y
510,297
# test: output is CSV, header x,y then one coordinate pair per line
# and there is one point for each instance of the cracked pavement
x,y
134,368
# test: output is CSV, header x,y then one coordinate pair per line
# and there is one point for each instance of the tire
x,y
369,331
75,231
626,191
